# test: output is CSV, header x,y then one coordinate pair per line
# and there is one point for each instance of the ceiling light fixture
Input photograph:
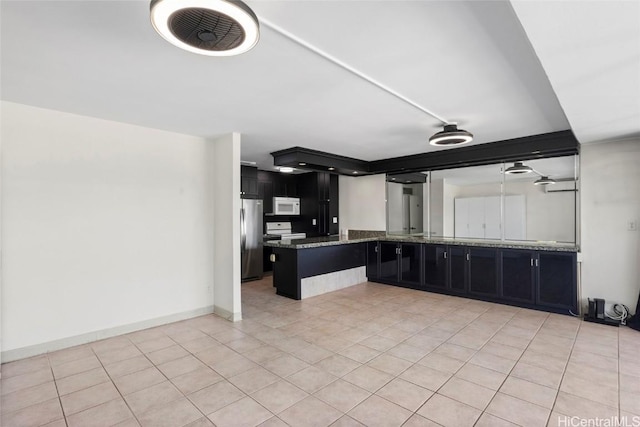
x,y
544,180
451,135
206,27
302,164
285,169
332,168
518,168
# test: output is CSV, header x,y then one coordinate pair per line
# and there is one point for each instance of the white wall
x,y
226,169
362,202
610,185
104,225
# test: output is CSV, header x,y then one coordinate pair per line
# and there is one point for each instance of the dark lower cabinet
x,y
401,263
483,271
518,275
388,262
410,264
544,280
556,280
458,269
436,265
373,263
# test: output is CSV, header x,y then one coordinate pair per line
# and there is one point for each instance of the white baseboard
x,y
34,350
226,314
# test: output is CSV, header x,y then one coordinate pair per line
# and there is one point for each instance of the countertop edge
x,y
498,245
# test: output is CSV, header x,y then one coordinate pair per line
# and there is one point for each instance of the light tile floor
x,y
371,355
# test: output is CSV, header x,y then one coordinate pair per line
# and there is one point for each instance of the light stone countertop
x,y
316,242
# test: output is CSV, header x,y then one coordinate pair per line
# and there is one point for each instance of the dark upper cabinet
x,y
318,192
557,280
518,275
248,182
483,271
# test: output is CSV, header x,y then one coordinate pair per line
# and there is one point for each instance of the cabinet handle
x,y
376,249
531,262
468,259
445,255
536,262
399,251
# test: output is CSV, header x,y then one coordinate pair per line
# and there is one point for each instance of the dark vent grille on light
x,y
206,29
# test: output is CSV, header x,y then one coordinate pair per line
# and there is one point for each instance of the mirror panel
x,y
484,202
536,211
406,212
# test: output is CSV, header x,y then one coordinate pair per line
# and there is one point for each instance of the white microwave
x,y
286,206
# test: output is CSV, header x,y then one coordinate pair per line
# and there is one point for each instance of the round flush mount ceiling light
x,y
517,168
451,135
206,27
285,169
544,180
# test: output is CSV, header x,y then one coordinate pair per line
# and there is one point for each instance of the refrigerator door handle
x,y
243,231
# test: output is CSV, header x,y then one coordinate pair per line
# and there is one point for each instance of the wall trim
x,y
226,314
37,349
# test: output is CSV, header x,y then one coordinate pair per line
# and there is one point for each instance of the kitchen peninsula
x,y
538,275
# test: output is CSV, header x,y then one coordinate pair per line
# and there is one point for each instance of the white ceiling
x,y
470,62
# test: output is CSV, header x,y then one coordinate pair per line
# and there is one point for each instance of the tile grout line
x,y
55,383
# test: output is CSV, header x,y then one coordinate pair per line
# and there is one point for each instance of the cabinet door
x,y
557,280
265,192
410,263
334,196
435,266
518,275
483,271
388,261
372,260
457,268
323,218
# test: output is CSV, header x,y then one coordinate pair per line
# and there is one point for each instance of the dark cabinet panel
x,y
410,263
319,203
543,280
372,260
388,261
457,268
483,271
248,182
556,280
435,266
518,275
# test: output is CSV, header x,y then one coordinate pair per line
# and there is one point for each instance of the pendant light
x,y
544,180
451,135
206,27
518,168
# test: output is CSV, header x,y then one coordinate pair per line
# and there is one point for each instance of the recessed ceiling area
x,y
470,62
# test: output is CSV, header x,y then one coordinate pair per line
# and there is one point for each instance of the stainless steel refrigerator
x,y
251,238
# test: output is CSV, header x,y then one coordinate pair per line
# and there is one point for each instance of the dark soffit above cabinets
x,y
553,144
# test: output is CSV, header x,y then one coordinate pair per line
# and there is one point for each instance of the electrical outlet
x,y
335,219
632,225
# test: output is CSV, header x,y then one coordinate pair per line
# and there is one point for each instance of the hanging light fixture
x,y
518,168
285,169
451,135
206,27
544,180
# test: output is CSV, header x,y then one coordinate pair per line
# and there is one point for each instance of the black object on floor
x,y
634,322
